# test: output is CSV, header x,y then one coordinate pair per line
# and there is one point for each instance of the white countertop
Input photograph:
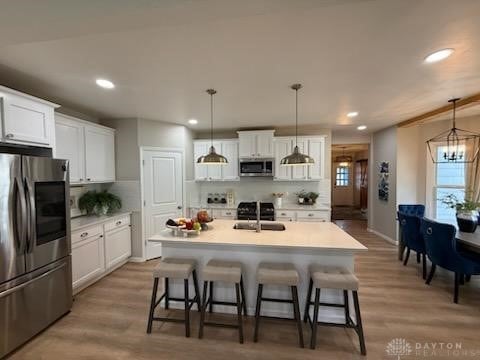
x,y
318,236
87,221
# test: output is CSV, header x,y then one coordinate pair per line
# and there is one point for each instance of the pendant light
x,y
296,158
457,145
212,158
343,160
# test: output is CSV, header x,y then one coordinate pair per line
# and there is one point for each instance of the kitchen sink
x,y
263,226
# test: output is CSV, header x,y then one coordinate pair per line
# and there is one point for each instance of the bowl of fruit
x,y
184,226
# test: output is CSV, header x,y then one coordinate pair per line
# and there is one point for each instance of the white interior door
x,y
163,193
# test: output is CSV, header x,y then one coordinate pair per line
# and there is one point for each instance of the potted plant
x,y
99,203
467,213
278,198
307,198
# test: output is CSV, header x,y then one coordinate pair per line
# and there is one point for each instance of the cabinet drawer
x,y
285,213
87,233
228,213
118,222
313,215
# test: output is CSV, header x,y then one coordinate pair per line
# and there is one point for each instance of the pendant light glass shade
x,y
212,158
296,158
454,145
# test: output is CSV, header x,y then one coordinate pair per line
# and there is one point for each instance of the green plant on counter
x,y
307,197
99,203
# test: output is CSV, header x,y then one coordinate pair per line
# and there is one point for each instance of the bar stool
x,y
174,268
323,277
227,272
278,274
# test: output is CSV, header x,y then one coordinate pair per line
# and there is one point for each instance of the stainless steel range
x,y
248,211
35,244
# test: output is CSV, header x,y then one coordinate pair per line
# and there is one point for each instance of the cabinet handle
x,y
80,179
9,136
84,234
283,214
228,213
310,214
118,223
101,236
88,179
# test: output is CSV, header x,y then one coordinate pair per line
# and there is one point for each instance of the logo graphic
x,y
398,347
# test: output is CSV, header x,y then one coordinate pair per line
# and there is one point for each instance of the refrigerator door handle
x,y
30,216
35,279
21,215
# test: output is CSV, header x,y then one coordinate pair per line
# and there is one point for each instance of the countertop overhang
x,y
298,235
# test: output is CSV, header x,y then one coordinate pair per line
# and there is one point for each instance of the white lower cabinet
x,y
118,245
88,261
100,249
302,215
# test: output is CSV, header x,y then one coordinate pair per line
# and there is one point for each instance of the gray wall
x,y
382,214
127,155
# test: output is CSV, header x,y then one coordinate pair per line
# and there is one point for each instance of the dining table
x,y
469,241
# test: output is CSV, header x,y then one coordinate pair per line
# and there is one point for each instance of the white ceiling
x,y
362,55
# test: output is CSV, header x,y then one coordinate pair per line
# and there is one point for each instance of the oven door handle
x,y
20,214
31,218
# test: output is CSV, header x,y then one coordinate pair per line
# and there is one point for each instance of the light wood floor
x,y
108,319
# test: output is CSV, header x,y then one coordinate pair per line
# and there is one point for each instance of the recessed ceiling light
x,y
438,55
352,114
361,127
104,83
193,121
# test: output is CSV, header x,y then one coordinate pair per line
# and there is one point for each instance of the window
x,y
342,176
449,179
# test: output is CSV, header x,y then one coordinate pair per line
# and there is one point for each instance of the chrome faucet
x,y
258,227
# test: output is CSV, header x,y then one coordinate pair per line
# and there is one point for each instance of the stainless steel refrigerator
x,y
35,243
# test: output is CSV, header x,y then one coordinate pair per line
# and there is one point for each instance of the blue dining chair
x,y
410,209
412,238
415,209
441,247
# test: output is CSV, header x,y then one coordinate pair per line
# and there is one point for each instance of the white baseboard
x,y
137,259
383,236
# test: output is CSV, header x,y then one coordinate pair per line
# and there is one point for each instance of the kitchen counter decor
x,y
99,203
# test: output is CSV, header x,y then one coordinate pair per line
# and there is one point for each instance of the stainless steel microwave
x,y
256,167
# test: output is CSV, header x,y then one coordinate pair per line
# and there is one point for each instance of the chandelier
x,y
454,145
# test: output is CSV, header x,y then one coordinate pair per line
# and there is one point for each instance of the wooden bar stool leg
x,y
307,302
210,308
347,307
296,312
257,312
152,305
361,338
239,313
316,305
203,309
166,294
197,291
187,309
244,298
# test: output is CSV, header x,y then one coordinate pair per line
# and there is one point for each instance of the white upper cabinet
x,y
70,144
256,144
90,149
230,151
283,147
99,154
26,120
228,148
316,150
301,172
313,146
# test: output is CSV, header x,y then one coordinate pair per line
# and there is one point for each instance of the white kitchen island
x,y
301,244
